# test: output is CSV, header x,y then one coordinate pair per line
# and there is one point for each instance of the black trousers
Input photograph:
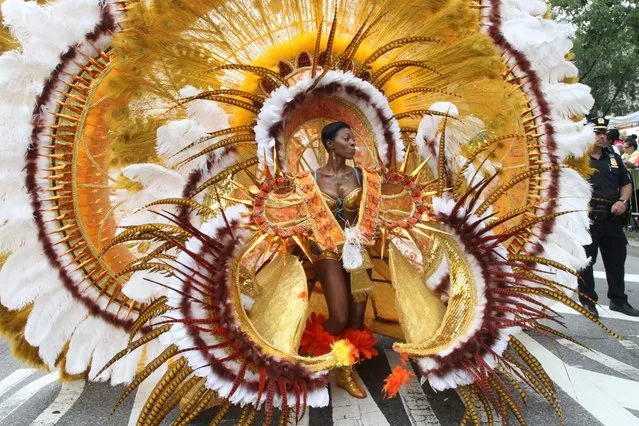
x,y
607,236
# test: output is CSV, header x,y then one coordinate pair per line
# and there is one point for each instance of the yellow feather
x,y
12,324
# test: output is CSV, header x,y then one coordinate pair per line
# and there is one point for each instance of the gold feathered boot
x,y
346,380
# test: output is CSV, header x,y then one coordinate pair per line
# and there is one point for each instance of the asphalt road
x,y
597,386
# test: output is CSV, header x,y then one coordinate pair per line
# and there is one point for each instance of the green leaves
x,y
606,50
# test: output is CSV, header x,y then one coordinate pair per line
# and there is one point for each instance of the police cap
x,y
600,124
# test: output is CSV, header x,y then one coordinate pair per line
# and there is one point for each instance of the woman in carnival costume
x,y
341,187
161,209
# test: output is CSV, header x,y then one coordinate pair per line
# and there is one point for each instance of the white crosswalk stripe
x,y
15,378
630,278
604,312
602,400
608,361
69,394
629,344
24,394
624,392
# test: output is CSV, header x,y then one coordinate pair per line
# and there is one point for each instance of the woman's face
x,y
343,144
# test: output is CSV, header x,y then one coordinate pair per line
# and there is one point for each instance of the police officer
x,y
611,191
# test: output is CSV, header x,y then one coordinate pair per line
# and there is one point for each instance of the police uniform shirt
x,y
610,175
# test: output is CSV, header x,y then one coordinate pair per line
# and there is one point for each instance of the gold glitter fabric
x,y
281,305
420,310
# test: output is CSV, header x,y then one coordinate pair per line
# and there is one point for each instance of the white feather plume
x,y
141,286
25,280
83,342
46,311
60,333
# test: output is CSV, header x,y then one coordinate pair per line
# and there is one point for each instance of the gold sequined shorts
x,y
327,254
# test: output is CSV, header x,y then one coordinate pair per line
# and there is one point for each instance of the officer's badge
x,y
613,163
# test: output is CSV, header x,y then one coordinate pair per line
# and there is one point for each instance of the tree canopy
x,y
606,50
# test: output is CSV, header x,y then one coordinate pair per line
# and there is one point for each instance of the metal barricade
x,y
634,204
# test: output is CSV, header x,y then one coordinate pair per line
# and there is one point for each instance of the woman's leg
x,y
336,292
356,309
356,314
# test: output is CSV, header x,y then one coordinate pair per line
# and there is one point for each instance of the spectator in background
x,y
615,140
609,139
630,155
631,161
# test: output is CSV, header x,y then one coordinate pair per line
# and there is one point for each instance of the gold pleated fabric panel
x,y
420,310
281,306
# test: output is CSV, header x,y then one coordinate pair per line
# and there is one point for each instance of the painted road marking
x,y
69,394
21,396
603,359
629,344
601,400
632,278
623,391
416,405
349,411
15,378
604,312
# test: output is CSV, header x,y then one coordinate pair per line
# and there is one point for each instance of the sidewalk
x,y
633,238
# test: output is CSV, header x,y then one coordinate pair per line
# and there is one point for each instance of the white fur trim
x,y
273,112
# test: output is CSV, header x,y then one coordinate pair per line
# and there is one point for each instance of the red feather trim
x,y
239,378
261,386
304,398
316,341
296,389
270,393
363,341
284,395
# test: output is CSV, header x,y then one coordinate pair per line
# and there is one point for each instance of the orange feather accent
x,y
395,381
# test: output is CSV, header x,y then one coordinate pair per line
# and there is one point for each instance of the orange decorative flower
x,y
316,341
395,381
303,295
364,341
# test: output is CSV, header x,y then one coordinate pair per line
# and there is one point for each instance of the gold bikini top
x,y
349,203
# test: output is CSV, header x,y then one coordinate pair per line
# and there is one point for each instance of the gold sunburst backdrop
x,y
423,61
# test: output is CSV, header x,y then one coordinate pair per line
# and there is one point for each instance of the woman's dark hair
x,y
613,134
330,131
631,142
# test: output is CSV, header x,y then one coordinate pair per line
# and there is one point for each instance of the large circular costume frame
x,y
157,208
